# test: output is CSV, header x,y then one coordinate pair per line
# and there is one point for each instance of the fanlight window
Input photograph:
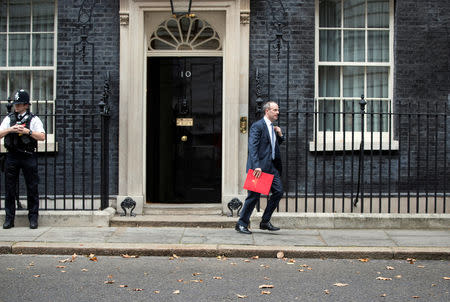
x,y
185,33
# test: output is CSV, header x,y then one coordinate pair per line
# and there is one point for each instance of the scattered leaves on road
x,y
196,274
384,278
217,278
265,292
84,269
176,292
12,268
391,268
364,259
123,285
241,296
137,289
129,256
280,255
266,286
109,282
60,266
92,257
446,278
326,291
36,276
411,260
255,257
340,284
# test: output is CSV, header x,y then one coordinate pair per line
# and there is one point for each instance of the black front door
x,y
184,129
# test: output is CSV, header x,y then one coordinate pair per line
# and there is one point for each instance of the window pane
x,y
3,93
378,44
42,49
353,81
330,13
329,81
354,46
43,15
19,50
43,85
377,117
354,13
3,15
330,45
378,13
329,119
377,82
19,80
45,112
2,50
352,121
19,15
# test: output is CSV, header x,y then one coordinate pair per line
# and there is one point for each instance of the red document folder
x,y
260,185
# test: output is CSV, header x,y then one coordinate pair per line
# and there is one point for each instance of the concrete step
x,y
189,221
183,209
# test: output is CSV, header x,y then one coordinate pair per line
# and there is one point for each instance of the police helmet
x,y
21,97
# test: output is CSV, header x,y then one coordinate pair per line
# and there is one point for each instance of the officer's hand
x,y
17,128
257,172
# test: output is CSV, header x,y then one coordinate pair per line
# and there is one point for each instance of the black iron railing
x,y
367,161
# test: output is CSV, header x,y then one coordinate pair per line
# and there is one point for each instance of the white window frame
x,y
335,140
49,144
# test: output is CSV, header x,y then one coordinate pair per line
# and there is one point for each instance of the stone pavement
x,y
185,241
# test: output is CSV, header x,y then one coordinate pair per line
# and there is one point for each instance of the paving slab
x,y
147,235
356,238
22,233
438,241
77,234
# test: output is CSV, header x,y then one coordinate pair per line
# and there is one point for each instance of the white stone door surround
x,y
132,118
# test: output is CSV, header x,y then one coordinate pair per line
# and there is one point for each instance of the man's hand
x,y
278,130
18,129
257,172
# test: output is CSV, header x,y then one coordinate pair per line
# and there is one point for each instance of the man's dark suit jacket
x,y
260,149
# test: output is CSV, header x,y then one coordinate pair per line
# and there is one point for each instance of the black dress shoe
x,y
33,225
242,229
8,224
268,226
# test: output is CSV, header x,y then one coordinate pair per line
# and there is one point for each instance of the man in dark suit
x,y
263,156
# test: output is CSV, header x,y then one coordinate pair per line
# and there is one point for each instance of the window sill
x,y
48,146
339,145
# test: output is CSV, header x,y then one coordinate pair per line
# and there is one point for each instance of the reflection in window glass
x,y
352,122
19,50
3,79
377,82
2,50
43,85
378,13
354,13
45,112
19,80
377,116
3,16
354,46
330,13
330,45
43,15
353,81
42,50
19,16
378,46
326,118
329,81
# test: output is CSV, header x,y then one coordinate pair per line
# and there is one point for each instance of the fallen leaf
x,y
137,289
340,284
266,278
398,276
291,260
74,256
326,291
265,292
280,255
309,268
156,291
304,265
175,256
364,259
221,258
109,282
176,292
197,280
31,264
63,271
265,266
196,274
246,260
384,278
301,270
91,255
180,280
233,263
60,266
218,278
110,276
93,259
421,266
432,284
266,286
65,260
446,278
36,276
383,295
255,257
241,296
123,285
84,269
129,256
12,268
411,260
390,268
415,297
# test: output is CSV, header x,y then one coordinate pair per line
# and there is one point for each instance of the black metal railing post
x,y
360,187
104,115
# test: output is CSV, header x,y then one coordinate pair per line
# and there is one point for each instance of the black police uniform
x,y
21,155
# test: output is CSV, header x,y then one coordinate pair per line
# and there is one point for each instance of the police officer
x,y
21,129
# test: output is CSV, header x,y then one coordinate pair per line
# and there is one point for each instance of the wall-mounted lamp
x,y
181,7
